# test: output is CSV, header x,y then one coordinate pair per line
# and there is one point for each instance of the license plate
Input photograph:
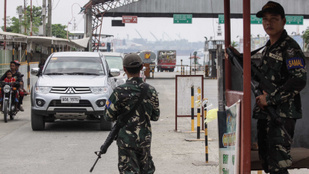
x,y
69,99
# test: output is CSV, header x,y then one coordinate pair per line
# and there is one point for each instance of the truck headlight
x,y
42,89
99,90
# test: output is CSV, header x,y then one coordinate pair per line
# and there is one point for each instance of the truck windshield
x,y
74,66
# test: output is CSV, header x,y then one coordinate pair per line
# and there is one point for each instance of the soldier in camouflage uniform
x,y
134,139
283,64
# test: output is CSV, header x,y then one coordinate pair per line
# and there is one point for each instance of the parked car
x,y
72,86
115,63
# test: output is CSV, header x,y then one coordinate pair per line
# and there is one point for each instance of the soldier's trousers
x,y
274,145
135,161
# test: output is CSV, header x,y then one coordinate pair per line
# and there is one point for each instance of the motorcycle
x,y
9,99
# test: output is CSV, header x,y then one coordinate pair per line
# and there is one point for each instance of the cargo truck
x,y
166,60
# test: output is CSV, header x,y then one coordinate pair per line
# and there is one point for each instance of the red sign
x,y
129,19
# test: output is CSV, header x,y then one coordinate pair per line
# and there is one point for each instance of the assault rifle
x,y
264,85
122,120
109,140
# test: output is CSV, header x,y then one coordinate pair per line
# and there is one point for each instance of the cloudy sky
x,y
151,29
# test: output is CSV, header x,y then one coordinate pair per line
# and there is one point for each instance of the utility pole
x,y
44,17
25,16
4,45
49,26
20,14
31,18
4,15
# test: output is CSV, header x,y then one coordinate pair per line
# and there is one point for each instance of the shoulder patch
x,y
295,62
108,104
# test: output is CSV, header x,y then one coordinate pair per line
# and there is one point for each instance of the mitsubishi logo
x,y
70,91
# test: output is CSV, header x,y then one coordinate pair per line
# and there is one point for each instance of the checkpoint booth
x,y
237,88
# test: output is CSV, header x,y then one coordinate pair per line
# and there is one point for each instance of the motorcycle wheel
x,y
5,111
12,115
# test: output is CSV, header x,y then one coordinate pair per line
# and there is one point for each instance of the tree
x,y
14,24
59,31
234,44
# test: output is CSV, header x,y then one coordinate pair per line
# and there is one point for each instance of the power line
x,y
56,5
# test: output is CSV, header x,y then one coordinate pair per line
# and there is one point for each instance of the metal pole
x,y
31,18
198,113
44,17
25,16
227,40
190,63
181,68
4,15
192,108
49,27
13,51
245,165
4,44
206,131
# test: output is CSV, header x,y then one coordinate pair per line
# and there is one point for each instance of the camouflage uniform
x,y
134,139
283,64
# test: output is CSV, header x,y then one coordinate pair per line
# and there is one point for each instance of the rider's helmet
x,y
16,62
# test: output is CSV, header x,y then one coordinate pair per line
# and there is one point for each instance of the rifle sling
x,y
254,51
123,118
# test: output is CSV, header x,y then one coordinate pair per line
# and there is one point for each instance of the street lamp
x,y
68,30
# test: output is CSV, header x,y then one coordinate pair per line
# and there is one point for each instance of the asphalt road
x,y
68,147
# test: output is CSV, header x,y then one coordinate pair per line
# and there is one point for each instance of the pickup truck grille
x,y
82,103
70,90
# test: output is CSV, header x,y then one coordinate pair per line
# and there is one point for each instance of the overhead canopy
x,y
82,42
42,40
198,8
12,37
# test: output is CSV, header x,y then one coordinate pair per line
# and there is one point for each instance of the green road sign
x,y
290,20
294,20
182,18
255,20
221,18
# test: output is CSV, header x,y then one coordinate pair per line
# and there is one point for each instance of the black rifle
x,y
121,121
264,85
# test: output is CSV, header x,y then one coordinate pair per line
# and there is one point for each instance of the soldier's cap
x,y
132,60
271,7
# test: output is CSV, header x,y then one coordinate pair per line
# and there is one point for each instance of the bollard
x,y
152,70
206,132
181,68
198,112
13,57
28,71
192,108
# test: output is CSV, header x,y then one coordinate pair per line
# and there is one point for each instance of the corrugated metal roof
x,y
201,8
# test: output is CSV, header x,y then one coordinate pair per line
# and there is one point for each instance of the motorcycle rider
x,y
18,76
